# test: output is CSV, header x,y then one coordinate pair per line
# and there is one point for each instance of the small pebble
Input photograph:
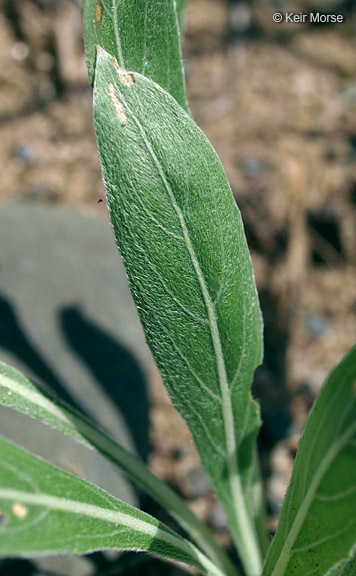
x,y
252,166
24,153
281,461
217,519
276,489
349,93
316,325
240,17
19,51
198,483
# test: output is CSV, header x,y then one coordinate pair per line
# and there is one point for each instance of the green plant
x,y
182,241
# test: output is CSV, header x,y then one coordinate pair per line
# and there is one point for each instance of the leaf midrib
x,y
34,397
113,517
117,37
243,521
85,509
286,552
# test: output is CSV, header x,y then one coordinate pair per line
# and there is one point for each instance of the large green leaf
x,y
142,35
45,510
183,244
19,393
317,526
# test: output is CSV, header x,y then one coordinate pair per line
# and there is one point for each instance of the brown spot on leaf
x,y
119,109
127,78
99,14
19,510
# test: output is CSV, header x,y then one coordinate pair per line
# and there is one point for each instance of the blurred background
x,y
278,103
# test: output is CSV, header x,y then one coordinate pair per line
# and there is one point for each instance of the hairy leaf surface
x,y
20,393
183,244
46,510
317,526
345,568
142,35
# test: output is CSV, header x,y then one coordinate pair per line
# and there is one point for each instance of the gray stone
x,y
252,166
58,565
25,154
316,325
217,519
67,320
198,484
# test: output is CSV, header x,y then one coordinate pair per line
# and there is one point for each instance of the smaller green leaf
x,y
20,393
317,526
344,568
45,510
143,36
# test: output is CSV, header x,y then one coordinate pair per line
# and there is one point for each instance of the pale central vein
x,y
108,515
247,543
120,56
145,41
34,397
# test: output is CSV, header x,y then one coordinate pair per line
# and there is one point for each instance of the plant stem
x,y
244,535
162,493
260,515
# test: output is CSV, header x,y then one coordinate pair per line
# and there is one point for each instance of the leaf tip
x,y
100,50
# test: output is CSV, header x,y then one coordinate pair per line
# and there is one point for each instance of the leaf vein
x,y
117,37
335,497
159,276
191,370
145,209
326,539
